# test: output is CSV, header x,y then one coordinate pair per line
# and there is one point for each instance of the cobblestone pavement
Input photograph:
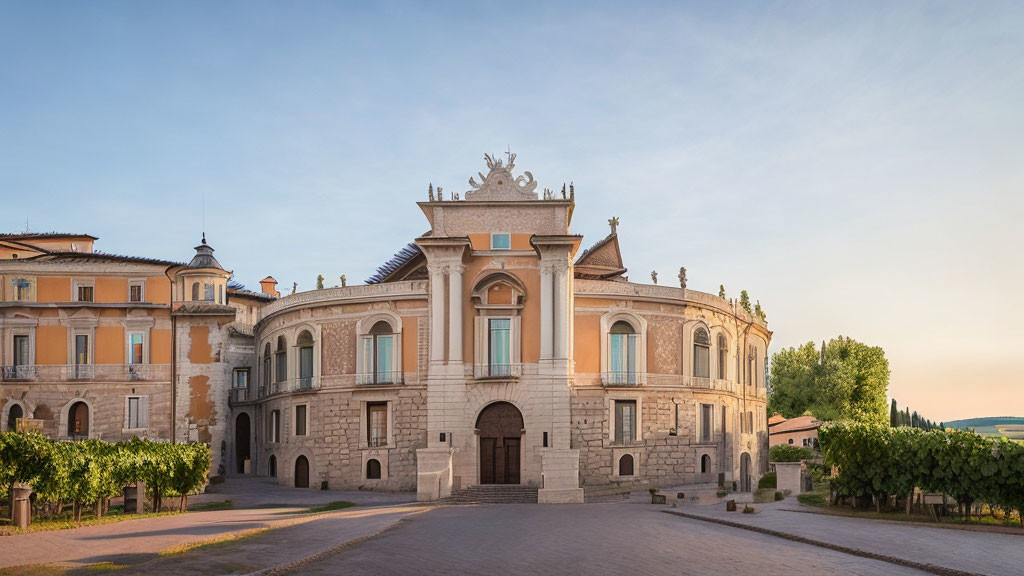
x,y
594,540
977,552
258,504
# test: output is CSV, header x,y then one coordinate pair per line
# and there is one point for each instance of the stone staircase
x,y
493,494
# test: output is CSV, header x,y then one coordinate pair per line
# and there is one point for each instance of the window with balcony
x,y
240,384
498,300
379,355
281,360
701,353
625,421
376,424
22,355
499,347
623,350
305,344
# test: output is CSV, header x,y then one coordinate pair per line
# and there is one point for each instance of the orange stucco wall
x,y
516,241
158,290
111,289
110,345
587,342
53,289
160,346
409,343
199,352
51,345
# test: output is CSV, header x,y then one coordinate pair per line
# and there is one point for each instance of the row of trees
x,y
843,380
888,463
91,472
914,420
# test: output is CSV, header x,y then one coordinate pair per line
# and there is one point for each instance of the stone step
x,y
493,494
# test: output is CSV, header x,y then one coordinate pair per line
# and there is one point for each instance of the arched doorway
x,y
626,465
301,472
78,421
241,441
272,466
13,414
745,472
500,427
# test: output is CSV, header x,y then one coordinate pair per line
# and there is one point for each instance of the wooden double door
x,y
500,426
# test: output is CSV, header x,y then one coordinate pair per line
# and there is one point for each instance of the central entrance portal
x,y
500,427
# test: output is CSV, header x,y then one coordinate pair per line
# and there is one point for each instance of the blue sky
x,y
856,167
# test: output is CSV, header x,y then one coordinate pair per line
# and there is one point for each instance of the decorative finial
x,y
572,192
344,281
455,196
204,237
430,191
295,285
614,223
440,195
654,276
682,277
319,281
563,192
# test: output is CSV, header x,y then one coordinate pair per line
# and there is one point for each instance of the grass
x,y
818,497
55,570
764,495
330,506
216,542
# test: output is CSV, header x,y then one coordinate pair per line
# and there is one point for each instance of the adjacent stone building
x,y
490,350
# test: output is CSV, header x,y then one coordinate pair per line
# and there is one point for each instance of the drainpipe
x,y
174,352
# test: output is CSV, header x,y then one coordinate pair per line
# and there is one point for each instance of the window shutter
x,y
516,337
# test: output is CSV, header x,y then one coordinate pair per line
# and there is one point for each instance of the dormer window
x,y
501,241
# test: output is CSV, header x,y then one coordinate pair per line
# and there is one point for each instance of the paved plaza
x,y
391,534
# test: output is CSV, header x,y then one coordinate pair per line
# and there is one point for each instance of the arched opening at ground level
x,y
500,428
13,414
745,472
78,421
301,472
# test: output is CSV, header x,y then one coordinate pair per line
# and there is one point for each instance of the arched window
x,y
379,358
701,353
622,354
626,465
281,360
305,344
723,357
195,291
265,380
373,469
13,414
705,464
272,466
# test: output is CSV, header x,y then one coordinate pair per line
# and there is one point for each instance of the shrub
x,y
769,480
779,496
787,453
748,509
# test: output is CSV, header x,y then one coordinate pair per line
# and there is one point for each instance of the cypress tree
x,y
894,415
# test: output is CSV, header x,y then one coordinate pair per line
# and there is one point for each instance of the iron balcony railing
x,y
106,372
387,377
621,378
485,371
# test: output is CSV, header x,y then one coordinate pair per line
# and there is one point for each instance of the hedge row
x,y
90,472
886,462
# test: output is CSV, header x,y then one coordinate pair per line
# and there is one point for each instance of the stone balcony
x,y
86,372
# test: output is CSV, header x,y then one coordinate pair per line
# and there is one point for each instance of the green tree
x,y
721,290
894,415
847,380
745,301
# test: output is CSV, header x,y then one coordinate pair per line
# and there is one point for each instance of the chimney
x,y
269,287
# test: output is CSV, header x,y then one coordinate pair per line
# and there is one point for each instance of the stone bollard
x,y
22,513
135,499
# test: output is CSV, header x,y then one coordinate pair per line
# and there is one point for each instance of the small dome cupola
x,y
204,257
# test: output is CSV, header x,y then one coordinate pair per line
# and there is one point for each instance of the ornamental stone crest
x,y
500,184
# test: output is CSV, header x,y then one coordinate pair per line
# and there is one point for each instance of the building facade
x,y
490,350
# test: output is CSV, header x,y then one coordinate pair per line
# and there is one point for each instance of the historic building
x,y
490,350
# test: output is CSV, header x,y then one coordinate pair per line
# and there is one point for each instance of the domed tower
x,y
203,280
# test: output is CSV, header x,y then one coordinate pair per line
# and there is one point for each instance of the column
x,y
546,310
436,313
561,310
455,312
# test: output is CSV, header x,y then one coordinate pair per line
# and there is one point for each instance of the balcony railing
x,y
485,371
377,442
71,372
239,395
292,385
381,378
22,372
621,378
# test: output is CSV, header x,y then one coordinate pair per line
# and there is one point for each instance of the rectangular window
x,y
81,348
300,420
22,290
622,358
135,347
282,366
499,340
135,292
306,362
501,241
208,292
134,412
377,423
625,421
85,293
384,356
275,426
706,422
21,350
241,379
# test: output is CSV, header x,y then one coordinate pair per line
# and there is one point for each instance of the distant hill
x,y
986,422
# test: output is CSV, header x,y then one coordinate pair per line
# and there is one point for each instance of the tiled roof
x,y
403,257
42,235
100,257
241,291
795,424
